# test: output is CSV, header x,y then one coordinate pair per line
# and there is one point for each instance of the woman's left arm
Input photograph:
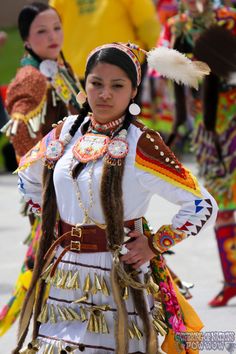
x,y
195,214
159,171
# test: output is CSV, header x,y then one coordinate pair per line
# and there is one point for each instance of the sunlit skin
x,y
45,35
109,91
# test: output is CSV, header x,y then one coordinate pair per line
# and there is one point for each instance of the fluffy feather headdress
x,y
167,62
176,66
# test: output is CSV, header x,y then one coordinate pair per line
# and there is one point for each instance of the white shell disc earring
x,y
134,109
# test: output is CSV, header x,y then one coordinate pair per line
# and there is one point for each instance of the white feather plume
x,y
176,66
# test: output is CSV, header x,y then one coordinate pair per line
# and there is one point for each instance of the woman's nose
x,y
105,94
52,36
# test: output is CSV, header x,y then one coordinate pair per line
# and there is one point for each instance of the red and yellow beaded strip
x,y
160,161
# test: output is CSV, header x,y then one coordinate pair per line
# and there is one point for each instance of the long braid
x,y
82,114
111,196
49,213
79,166
112,204
111,199
67,66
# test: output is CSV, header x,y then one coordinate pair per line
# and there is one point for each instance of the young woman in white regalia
x,y
100,283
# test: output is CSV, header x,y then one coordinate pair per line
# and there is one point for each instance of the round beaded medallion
x,y
118,148
90,147
54,150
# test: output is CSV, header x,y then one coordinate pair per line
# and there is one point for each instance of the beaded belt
x,y
82,239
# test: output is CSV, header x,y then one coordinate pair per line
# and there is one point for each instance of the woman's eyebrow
x,y
118,79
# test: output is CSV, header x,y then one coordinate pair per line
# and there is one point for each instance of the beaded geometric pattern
x,y
202,210
167,237
54,150
153,156
90,147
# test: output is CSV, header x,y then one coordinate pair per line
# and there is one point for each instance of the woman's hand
x,y
139,250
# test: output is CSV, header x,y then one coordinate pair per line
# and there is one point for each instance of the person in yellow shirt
x,y
88,24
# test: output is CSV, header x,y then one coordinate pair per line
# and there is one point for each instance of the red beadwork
x,y
106,126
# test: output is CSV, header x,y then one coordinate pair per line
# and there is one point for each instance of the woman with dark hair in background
x,y
109,288
43,91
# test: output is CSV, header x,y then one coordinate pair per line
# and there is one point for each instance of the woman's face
x,y
109,91
45,35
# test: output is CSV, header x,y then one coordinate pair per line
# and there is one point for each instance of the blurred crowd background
x,y
157,96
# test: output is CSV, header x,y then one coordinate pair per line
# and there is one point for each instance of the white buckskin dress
x,y
80,312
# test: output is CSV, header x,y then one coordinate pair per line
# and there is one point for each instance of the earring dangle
x,y
81,98
134,109
27,45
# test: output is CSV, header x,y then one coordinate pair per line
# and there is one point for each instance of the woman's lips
x,y
104,105
52,46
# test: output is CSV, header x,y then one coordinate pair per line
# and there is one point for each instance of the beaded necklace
x,y
116,148
88,149
105,127
86,219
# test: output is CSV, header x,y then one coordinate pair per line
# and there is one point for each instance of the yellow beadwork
x,y
61,88
32,114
